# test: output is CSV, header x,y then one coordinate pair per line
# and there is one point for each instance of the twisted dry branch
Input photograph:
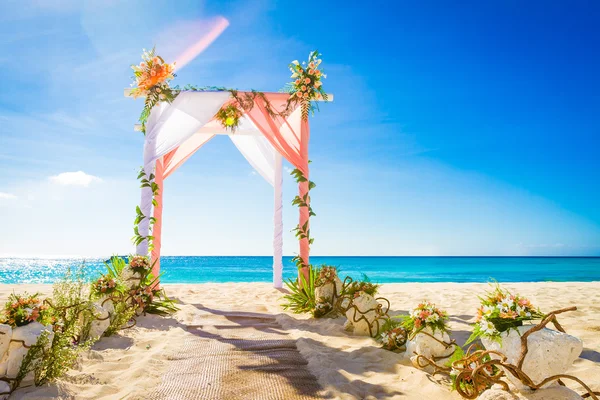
x,y
479,371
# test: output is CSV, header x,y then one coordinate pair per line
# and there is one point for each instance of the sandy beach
x,y
130,365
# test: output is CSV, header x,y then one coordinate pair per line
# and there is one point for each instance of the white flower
x,y
487,327
506,304
433,317
488,310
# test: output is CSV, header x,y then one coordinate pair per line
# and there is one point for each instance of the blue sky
x,y
469,128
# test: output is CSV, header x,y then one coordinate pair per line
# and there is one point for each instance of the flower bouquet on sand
x,y
393,336
427,333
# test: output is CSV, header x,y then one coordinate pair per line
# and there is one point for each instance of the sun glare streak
x,y
220,24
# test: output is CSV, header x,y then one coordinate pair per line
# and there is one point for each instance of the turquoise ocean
x,y
180,269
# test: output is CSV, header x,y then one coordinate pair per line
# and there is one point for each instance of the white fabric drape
x,y
278,222
259,153
268,163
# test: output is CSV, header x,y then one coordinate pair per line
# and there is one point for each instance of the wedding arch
x,y
265,128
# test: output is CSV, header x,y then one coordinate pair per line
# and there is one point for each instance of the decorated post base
x,y
19,340
365,316
326,296
432,345
549,353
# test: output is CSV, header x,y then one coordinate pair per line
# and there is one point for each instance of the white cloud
x,y
78,178
7,196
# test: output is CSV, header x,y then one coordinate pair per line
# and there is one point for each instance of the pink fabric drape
x,y
290,138
157,214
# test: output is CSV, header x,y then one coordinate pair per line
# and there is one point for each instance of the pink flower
x,y
311,71
307,80
297,81
303,88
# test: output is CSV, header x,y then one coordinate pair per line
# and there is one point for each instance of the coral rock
x,y
549,353
29,334
325,292
366,304
553,393
427,346
497,394
132,279
101,321
5,336
4,390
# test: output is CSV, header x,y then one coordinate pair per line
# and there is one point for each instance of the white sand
x,y
348,367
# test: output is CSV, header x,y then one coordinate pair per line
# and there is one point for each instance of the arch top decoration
x,y
265,126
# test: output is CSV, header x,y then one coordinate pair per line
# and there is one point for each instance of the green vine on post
x,y
302,232
306,89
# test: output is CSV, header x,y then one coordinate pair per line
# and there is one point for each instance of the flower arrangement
x,y
152,77
104,285
393,335
21,310
425,315
140,264
142,296
357,288
327,274
500,311
307,85
229,116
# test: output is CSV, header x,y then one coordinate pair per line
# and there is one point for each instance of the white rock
x,y
4,390
497,394
427,346
16,353
552,393
99,326
29,334
106,303
325,292
5,336
366,304
550,352
130,278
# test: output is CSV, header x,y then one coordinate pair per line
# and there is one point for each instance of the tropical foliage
x,y
302,294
